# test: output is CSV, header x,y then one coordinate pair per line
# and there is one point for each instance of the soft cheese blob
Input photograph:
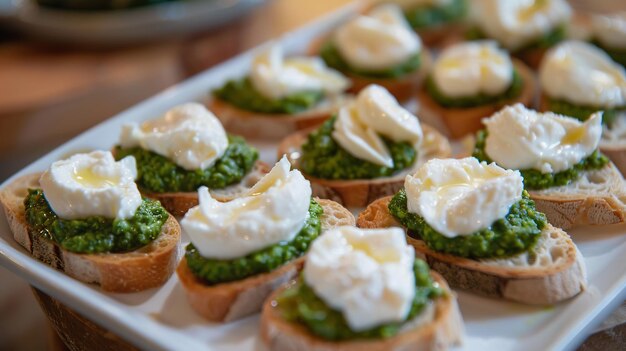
x,y
189,135
275,76
378,40
584,75
367,274
610,30
520,138
515,23
473,68
92,184
273,210
375,112
461,196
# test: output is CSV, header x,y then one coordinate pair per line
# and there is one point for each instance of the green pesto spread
x,y
95,234
322,157
98,5
214,271
428,16
300,304
582,113
331,55
514,90
517,232
548,40
241,93
618,55
534,179
159,174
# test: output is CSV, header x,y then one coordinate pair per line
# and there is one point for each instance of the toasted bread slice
x,y
233,300
271,126
437,327
180,202
531,57
597,197
144,268
554,271
360,192
462,121
613,142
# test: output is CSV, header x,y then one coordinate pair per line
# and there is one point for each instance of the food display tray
x,y
161,318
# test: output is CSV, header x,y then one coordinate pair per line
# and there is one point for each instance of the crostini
x,y
569,179
243,249
280,95
86,217
378,47
362,289
185,149
472,80
476,226
365,151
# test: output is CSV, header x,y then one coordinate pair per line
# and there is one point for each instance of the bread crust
x,y
462,121
271,126
360,192
179,203
444,330
596,198
234,300
147,267
548,283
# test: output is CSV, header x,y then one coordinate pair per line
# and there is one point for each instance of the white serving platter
x,y
161,319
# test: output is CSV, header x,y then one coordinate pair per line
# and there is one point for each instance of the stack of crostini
x,y
283,240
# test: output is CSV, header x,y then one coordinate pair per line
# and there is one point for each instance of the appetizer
x,y
243,249
609,33
365,151
187,148
579,79
378,48
362,289
279,95
433,20
566,175
525,28
478,227
86,217
472,80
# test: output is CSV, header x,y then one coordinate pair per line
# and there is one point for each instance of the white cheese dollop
x,y
472,68
520,138
378,40
275,76
189,135
515,23
273,210
367,274
610,30
584,75
92,184
375,112
461,196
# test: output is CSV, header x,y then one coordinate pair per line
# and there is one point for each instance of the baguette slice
x,y
180,202
462,121
271,126
144,268
233,300
597,197
360,192
438,326
555,271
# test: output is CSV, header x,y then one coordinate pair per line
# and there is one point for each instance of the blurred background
x,y
61,73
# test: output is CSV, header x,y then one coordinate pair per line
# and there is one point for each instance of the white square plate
x,y
161,319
